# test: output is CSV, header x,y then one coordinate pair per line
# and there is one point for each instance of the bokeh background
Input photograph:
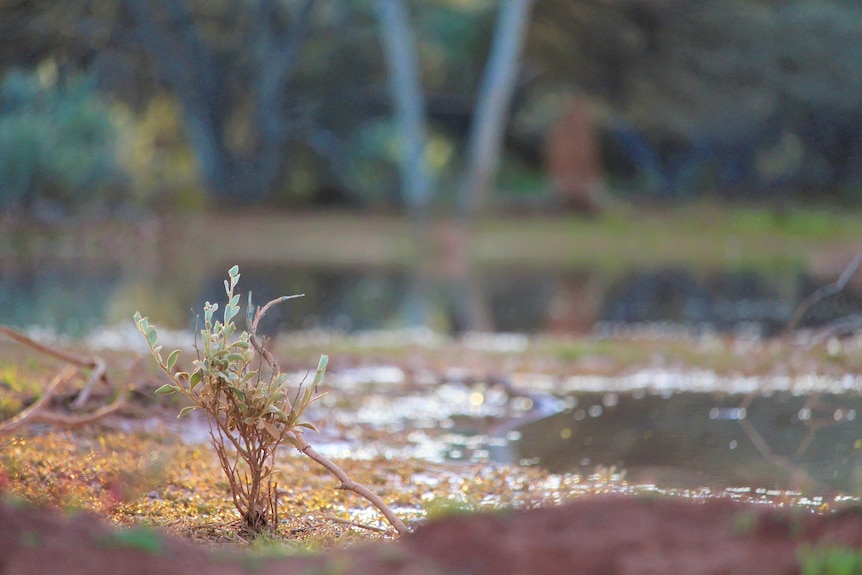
x,y
565,166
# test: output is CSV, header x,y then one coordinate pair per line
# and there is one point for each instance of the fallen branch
x,y
33,411
793,471
824,292
348,484
353,524
36,413
94,363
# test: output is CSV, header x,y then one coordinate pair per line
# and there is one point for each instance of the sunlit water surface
x,y
782,440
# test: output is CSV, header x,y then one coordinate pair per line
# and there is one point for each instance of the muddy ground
x,y
609,535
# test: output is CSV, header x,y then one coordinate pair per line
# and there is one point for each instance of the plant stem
x,y
350,485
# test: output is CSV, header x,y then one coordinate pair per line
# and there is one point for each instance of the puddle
x,y
792,438
777,441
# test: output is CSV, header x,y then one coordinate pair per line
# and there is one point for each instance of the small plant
x,y
830,561
249,406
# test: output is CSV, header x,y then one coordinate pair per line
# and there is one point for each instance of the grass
x,y
140,538
828,560
701,235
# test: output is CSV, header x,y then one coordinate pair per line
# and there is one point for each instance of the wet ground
x,y
787,436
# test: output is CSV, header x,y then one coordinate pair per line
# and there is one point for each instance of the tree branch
x,y
824,292
35,413
350,485
258,346
97,364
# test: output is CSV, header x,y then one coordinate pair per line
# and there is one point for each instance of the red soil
x,y
602,535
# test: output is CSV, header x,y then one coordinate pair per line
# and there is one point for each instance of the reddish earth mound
x,y
612,535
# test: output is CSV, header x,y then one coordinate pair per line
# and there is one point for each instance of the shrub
x,y
249,406
56,142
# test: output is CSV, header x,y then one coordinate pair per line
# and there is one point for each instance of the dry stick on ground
x,y
824,292
346,482
766,452
29,414
35,413
819,294
97,364
353,524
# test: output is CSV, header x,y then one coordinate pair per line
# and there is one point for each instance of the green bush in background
x,y
56,143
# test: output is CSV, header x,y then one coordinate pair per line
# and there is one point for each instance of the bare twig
x,y
763,448
96,364
74,421
348,484
353,524
35,413
841,326
261,311
779,461
824,292
303,446
258,346
27,415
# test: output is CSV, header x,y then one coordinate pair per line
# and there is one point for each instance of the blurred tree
x,y
56,142
734,95
70,32
729,94
406,88
234,105
227,64
493,102
490,113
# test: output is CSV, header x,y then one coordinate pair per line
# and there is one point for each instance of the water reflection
x,y
772,438
779,441
67,299
73,299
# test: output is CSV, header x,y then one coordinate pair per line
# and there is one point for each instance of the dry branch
x,y
353,524
29,414
824,292
36,413
303,446
94,363
348,484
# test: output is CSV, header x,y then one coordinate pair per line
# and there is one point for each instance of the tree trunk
x,y
492,106
166,30
405,84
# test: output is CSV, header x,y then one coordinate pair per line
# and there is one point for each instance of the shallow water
x,y
779,441
82,300
641,429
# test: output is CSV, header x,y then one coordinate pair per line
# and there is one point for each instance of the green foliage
x,y
141,538
442,507
247,400
157,156
830,561
56,141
